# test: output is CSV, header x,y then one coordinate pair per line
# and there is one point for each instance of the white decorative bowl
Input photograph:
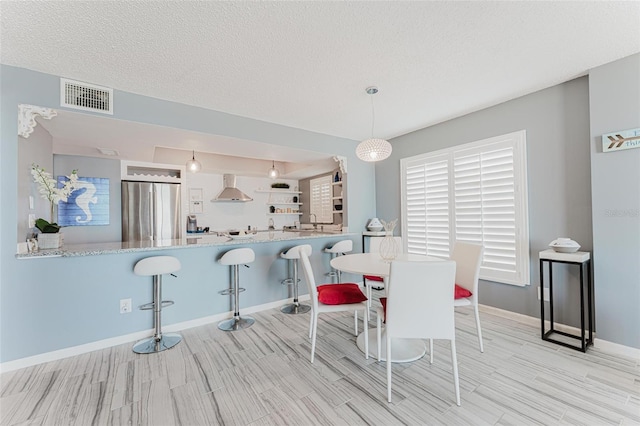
x,y
375,225
564,245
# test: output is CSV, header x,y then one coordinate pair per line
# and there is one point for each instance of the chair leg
x,y
366,333
454,363
313,337
475,308
355,321
311,319
367,288
430,351
388,368
378,335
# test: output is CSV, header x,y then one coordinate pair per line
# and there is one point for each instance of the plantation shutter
x,y
321,204
427,207
485,211
474,192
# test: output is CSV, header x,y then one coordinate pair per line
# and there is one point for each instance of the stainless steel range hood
x,y
230,192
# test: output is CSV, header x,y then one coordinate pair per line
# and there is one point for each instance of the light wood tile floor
x,y
262,376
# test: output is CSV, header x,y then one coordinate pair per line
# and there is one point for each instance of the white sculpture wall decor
x,y
27,118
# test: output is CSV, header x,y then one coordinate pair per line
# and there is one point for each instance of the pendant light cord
x,y
373,115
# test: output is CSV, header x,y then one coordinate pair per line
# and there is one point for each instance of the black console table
x,y
587,319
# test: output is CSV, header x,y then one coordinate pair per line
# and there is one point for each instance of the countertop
x,y
191,241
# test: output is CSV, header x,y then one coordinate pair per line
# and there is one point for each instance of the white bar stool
x,y
292,255
338,249
235,258
156,266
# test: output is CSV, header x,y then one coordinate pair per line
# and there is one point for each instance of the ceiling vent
x,y
85,96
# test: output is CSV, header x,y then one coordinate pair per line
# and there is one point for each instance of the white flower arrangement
x,y
48,189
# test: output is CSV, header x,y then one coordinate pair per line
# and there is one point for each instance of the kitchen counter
x,y
191,241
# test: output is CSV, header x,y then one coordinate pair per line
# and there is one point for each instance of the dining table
x,y
403,350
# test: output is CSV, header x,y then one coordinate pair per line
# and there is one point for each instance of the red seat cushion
x,y
461,292
340,294
373,278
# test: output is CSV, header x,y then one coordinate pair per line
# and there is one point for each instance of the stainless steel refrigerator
x,y
150,211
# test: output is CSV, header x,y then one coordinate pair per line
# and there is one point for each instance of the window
x,y
475,192
321,205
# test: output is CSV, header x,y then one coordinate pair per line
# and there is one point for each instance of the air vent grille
x,y
85,96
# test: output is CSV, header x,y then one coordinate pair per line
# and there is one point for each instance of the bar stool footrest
x,y
151,305
229,291
288,281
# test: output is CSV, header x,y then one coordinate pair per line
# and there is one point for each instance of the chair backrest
x,y
468,258
374,244
420,300
308,273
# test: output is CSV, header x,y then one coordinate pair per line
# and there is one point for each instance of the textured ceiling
x,y
307,64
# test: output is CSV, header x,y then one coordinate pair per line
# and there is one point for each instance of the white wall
x,y
222,216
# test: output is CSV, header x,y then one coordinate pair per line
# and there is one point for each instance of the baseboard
x,y
603,345
132,337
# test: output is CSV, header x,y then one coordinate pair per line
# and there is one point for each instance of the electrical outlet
x,y
32,220
125,306
546,294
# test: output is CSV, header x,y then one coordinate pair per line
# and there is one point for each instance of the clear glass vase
x,y
389,249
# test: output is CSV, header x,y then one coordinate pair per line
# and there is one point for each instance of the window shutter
x,y
484,193
476,192
321,205
427,207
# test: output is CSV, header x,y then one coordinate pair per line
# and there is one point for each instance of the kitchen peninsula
x,y
103,274
191,241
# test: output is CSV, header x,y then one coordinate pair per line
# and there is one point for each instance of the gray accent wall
x,y
615,179
557,124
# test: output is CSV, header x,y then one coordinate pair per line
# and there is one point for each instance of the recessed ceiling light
x,y
107,151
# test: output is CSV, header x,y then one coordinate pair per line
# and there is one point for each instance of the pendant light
x,y
194,165
373,149
273,172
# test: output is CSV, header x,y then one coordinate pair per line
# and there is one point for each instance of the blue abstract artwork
x,y
88,205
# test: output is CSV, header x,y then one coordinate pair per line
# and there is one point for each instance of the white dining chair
x,y
419,305
468,258
373,280
334,298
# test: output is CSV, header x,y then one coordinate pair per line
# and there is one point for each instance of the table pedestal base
x,y
402,350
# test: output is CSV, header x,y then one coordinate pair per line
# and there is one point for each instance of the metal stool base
x,y
234,324
295,309
151,345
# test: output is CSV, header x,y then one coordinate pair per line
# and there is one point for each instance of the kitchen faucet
x,y
315,221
